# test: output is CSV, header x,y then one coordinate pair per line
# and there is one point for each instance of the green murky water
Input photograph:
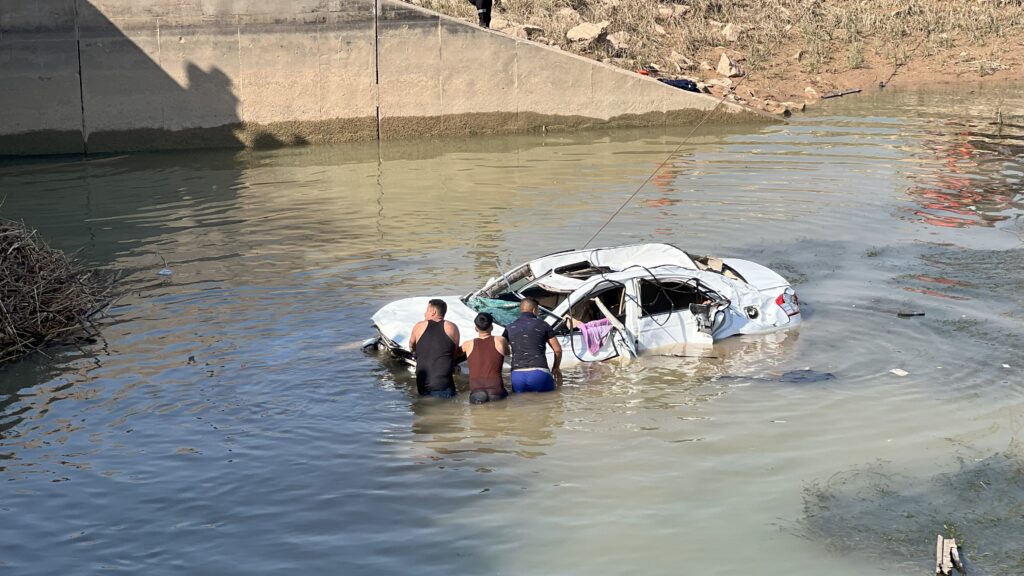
x,y
285,449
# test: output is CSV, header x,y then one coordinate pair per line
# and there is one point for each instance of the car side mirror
x,y
700,309
702,314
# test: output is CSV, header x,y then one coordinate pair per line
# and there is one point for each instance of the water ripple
x,y
229,423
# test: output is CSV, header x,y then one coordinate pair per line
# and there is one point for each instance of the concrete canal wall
x,y
117,75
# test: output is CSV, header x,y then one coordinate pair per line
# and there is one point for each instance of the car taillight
x,y
789,302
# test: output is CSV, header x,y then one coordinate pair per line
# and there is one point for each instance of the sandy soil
x,y
786,80
790,52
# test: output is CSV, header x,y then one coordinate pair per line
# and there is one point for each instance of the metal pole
x,y
376,60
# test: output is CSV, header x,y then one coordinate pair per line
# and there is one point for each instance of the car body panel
x,y
658,298
761,277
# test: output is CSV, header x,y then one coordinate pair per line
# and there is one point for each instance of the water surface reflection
x,y
229,422
976,180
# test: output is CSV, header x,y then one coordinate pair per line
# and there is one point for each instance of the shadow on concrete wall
x,y
73,80
198,109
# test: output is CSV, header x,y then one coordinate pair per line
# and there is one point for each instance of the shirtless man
x,y
435,342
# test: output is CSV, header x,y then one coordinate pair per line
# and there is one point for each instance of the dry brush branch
x,y
46,296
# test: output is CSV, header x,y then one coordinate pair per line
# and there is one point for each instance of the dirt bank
x,y
777,55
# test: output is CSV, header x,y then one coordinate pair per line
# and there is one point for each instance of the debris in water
x,y
46,296
166,270
806,375
1006,365
947,557
792,377
838,93
904,314
899,371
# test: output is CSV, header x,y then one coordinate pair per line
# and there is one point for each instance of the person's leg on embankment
x,y
483,11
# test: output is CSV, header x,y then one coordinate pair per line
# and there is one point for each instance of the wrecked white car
x,y
624,301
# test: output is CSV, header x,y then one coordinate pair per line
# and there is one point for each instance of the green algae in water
x,y
790,272
878,514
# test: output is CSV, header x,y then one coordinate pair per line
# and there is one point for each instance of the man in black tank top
x,y
435,341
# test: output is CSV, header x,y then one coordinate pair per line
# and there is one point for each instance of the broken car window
x,y
664,297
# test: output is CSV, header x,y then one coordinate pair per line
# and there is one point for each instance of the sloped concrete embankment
x,y
114,75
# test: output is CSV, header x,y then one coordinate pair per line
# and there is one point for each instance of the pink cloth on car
x,y
594,333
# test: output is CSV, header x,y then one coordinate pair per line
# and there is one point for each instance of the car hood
x,y
395,320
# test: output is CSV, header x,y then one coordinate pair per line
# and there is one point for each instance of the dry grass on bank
x,y
781,39
46,297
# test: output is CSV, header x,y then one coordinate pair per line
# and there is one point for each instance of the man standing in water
x,y
485,355
435,341
529,336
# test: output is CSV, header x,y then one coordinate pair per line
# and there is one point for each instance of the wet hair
x,y
484,322
439,305
527,304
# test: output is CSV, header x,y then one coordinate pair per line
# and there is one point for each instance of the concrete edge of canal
x,y
94,76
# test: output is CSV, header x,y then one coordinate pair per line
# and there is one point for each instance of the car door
x,y
660,311
584,312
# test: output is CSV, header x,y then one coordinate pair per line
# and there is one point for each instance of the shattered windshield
x,y
500,298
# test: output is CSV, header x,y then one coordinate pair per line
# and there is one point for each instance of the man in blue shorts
x,y
528,337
